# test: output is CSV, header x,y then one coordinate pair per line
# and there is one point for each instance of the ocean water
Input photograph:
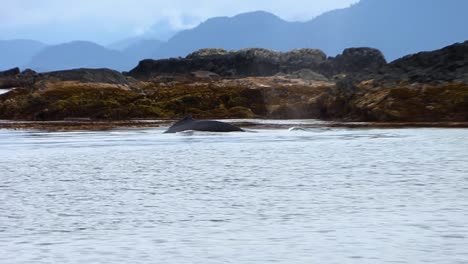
x,y
2,91
267,196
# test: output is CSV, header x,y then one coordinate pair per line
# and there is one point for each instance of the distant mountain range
x,y
78,54
396,27
18,52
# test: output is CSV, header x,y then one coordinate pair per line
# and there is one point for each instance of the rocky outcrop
x,y
253,62
413,103
258,62
267,97
306,75
449,64
12,78
29,77
303,57
87,76
203,53
206,75
71,100
357,85
355,60
9,73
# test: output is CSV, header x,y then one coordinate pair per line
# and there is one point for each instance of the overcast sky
x,y
105,21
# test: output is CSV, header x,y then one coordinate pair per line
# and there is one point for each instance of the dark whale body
x,y
188,123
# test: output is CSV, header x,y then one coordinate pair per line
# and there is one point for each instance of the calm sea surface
x,y
275,196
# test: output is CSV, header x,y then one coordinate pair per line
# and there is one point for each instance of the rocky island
x,y
358,85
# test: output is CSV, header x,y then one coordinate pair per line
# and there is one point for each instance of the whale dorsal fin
x,y
186,119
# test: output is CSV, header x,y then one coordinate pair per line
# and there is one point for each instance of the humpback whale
x,y
188,123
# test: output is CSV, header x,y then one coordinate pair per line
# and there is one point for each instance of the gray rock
x,y
354,65
241,63
9,73
356,60
259,55
443,65
309,75
206,53
304,57
88,76
204,75
9,79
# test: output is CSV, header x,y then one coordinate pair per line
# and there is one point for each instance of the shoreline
x,y
248,123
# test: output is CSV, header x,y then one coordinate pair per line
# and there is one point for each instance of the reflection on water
x,y
274,196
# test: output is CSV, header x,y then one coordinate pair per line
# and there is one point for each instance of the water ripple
x,y
274,196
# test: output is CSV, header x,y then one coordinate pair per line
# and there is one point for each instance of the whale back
x,y
214,126
188,123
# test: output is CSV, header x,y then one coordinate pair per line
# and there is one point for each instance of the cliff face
x,y
357,85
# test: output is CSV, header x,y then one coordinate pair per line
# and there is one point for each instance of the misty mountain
x,y
84,54
256,29
162,30
79,54
18,52
124,43
137,48
396,27
142,49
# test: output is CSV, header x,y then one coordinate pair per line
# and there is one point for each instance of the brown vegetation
x,y
237,98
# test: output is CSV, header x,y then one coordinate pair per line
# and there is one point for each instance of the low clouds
x,y
107,20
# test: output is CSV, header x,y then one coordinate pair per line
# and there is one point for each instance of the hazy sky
x,y
105,21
